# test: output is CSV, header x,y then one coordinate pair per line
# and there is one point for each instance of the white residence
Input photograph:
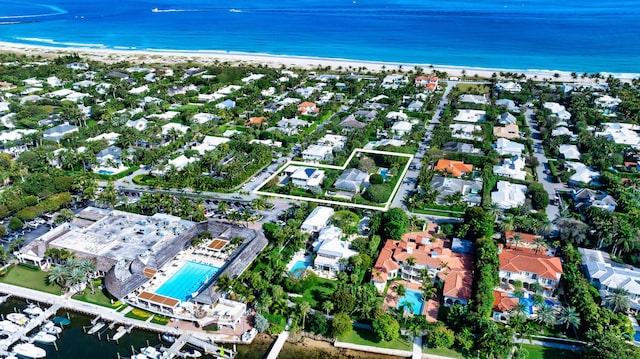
x,y
508,195
504,147
331,251
306,177
139,125
472,116
474,99
290,126
512,168
169,127
110,137
621,133
563,131
177,163
337,142
209,143
583,173
607,275
507,119
317,219
317,153
466,131
569,152
402,128
509,86
557,110
201,118
395,115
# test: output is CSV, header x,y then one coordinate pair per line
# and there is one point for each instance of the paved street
x,y
543,166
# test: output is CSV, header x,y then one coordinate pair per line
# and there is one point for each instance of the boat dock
x,y
31,325
211,349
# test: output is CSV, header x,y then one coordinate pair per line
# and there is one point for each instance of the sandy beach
x,y
210,57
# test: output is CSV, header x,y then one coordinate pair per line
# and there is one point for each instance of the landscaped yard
x,y
100,297
366,337
450,353
30,278
318,293
538,352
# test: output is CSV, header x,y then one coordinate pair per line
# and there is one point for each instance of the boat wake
x,y
155,9
56,11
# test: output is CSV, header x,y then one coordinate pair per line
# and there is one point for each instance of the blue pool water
x,y
187,280
415,298
383,172
298,268
528,302
636,336
105,172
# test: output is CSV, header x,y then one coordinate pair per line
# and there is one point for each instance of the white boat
x,y
139,356
44,338
234,10
50,328
191,353
155,9
95,328
9,327
151,352
18,318
33,310
27,350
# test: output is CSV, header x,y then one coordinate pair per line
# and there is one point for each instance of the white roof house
x,y
139,90
508,104
505,147
317,219
317,153
557,110
14,135
569,152
583,173
607,275
511,167
466,131
139,125
474,99
178,163
290,126
395,115
226,104
472,116
330,250
508,195
351,180
111,137
56,133
209,143
337,142
509,86
167,116
201,118
507,119
563,131
402,127
307,177
166,129
621,133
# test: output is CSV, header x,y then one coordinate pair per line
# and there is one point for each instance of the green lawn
x,y
450,353
320,292
366,337
538,352
468,88
30,278
100,297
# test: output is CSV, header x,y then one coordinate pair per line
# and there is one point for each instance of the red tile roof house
x,y
529,267
428,252
428,82
503,305
308,108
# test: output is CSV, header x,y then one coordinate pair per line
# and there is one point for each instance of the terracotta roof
x,y
457,284
307,104
385,263
455,168
502,302
525,260
256,120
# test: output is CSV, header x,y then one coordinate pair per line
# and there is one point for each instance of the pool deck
x,y
299,256
391,300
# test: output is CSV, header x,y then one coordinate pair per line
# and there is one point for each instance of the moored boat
x,y
44,338
33,310
151,352
95,328
168,338
18,318
50,328
27,350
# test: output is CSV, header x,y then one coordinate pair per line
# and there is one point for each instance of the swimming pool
x,y
298,268
383,172
415,299
105,172
187,280
528,303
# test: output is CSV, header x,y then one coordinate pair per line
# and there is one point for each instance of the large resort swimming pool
x,y
187,281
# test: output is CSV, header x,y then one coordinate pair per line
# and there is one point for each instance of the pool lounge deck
x,y
391,300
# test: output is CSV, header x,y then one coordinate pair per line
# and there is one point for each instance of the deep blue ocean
x,y
570,35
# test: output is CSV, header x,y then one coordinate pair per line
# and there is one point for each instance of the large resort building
x,y
149,261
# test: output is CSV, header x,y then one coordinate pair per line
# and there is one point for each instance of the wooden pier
x,y
209,348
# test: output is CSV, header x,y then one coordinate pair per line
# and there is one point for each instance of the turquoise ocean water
x,y
570,35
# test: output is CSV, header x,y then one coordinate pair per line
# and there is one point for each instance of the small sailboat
x,y
27,350
44,338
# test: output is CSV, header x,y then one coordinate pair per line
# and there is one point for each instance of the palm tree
x,y
618,300
58,275
546,315
516,239
304,308
540,243
327,306
224,283
89,268
400,290
570,318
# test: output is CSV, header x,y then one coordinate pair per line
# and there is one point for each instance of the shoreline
x,y
109,55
